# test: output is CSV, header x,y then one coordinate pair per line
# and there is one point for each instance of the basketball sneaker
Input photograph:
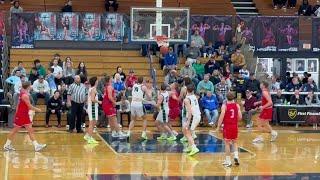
x,y
226,163
86,137
274,136
39,147
194,136
95,129
91,140
144,135
187,149
162,137
236,161
193,151
183,139
172,138
259,139
8,147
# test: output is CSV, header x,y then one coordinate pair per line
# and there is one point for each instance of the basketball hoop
x,y
162,40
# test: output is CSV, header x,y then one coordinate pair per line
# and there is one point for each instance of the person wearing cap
x,y
40,89
249,108
170,61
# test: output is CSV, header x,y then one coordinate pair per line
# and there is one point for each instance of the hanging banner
x,y
46,26
213,28
316,34
265,33
89,27
22,30
288,34
244,29
68,26
111,27
2,29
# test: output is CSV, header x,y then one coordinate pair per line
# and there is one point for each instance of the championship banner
x,y
89,27
67,26
288,34
213,28
316,34
298,114
111,27
46,26
265,33
2,29
22,30
244,29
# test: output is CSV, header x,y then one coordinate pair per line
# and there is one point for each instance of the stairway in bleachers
x,y
245,7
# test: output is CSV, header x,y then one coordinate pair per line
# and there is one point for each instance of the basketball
x,y
164,50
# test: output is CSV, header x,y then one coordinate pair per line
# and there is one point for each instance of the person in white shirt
x,y
40,89
57,72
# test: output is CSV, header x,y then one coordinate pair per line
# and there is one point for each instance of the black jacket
x,y
54,104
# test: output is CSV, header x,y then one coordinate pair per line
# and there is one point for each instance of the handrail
x,y
152,69
5,59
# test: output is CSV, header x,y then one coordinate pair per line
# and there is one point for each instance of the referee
x,y
77,95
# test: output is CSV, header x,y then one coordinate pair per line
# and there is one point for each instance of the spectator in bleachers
x,y
50,80
245,72
170,61
198,40
215,77
279,4
163,52
209,49
111,3
239,84
188,71
199,68
20,68
316,9
40,89
15,80
68,73
2,1
54,106
82,72
253,85
124,109
193,53
66,60
312,99
306,75
218,59
210,107
222,90
275,83
16,8
237,60
234,45
171,77
205,85
33,76
278,98
305,9
57,72
296,98
293,85
130,81
101,85
309,86
118,84
67,7
292,3
211,65
17,88
122,74
56,57
41,70
63,96
249,108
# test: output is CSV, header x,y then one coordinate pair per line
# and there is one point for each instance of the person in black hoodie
x,y
253,85
305,9
33,76
211,65
67,7
54,107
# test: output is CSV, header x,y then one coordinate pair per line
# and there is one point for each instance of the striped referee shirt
x,y
78,92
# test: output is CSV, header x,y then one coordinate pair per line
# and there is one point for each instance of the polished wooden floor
x,y
69,157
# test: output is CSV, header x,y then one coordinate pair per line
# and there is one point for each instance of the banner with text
x,y
298,114
45,26
213,28
288,34
265,33
22,30
316,34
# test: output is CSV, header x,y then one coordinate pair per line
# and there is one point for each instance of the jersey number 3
x,y
232,113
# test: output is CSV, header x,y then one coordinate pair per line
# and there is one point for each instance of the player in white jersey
x,y
137,111
190,115
93,104
162,120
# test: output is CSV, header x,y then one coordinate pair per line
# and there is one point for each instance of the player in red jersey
x,y
108,106
229,116
266,114
22,119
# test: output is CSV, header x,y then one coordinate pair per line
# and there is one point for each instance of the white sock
x,y
35,143
8,142
194,146
236,154
228,159
273,132
129,132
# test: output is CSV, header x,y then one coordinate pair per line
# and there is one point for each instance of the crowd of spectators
x,y
305,9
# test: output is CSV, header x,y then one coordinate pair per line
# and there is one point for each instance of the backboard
x,y
148,22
